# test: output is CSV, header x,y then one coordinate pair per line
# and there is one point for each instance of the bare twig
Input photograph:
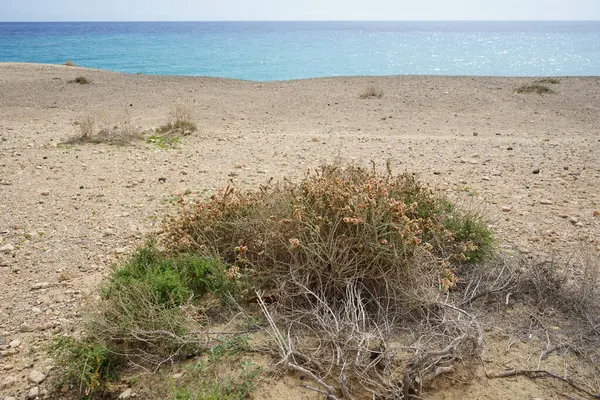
x,y
533,374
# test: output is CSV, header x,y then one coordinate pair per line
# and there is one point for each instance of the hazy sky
x,y
200,10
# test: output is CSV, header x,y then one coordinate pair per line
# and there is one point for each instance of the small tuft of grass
x,y
163,141
552,81
180,121
120,134
82,80
372,92
69,63
179,124
234,386
535,88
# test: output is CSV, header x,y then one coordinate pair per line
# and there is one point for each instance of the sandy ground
x,y
529,162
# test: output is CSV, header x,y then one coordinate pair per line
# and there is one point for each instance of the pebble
x,y
108,232
41,285
7,382
177,376
14,343
33,393
536,171
507,208
36,377
546,202
486,178
120,250
127,393
4,261
596,214
25,327
7,248
45,193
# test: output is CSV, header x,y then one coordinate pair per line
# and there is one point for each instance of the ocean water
x,y
268,51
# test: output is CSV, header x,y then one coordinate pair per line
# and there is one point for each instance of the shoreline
x,y
515,77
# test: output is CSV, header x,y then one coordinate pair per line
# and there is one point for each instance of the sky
x,y
284,10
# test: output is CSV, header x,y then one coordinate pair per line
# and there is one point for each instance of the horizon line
x,y
313,20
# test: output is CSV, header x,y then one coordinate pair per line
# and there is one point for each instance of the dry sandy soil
x,y
530,162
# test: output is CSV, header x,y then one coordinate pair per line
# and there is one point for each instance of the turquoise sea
x,y
291,50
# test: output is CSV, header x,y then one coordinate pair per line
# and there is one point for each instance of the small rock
x,y
536,171
437,172
7,382
14,343
108,232
596,214
41,285
25,327
7,248
485,178
475,133
120,250
162,180
8,367
127,393
4,262
507,208
36,377
184,172
573,220
509,148
177,376
45,193
546,202
33,393
36,310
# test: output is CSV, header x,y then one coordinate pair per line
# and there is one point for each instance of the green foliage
x,y
172,279
229,347
231,387
86,364
535,88
163,141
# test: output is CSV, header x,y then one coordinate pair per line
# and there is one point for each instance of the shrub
x,y
372,91
388,234
534,88
553,81
82,80
85,363
180,121
122,133
69,63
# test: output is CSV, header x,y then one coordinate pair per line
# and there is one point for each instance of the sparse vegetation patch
x,y
535,88
372,92
122,133
553,81
82,80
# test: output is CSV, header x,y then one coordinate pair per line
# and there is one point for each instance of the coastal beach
x,y
528,162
